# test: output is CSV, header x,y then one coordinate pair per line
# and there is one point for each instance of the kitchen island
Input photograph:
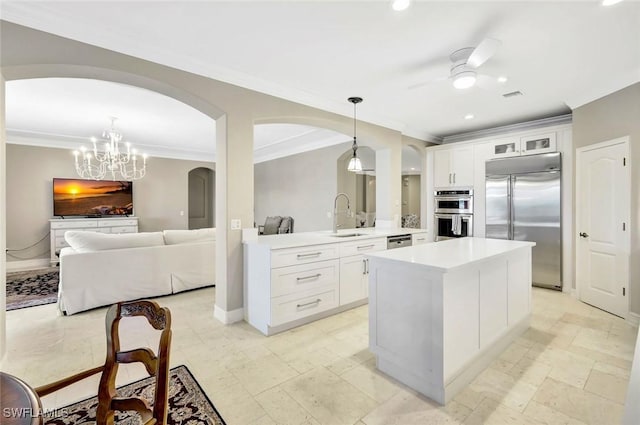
x,y
440,313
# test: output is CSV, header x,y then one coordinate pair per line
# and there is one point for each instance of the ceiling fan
x,y
465,62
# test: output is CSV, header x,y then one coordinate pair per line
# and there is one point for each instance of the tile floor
x,y
571,367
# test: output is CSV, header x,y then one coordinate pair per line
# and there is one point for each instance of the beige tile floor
x,y
571,367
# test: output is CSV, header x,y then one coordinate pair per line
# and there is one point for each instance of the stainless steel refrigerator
x,y
523,203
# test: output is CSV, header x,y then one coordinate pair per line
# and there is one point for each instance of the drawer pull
x,y
366,246
312,254
308,304
315,276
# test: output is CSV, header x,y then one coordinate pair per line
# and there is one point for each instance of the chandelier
x,y
355,164
111,162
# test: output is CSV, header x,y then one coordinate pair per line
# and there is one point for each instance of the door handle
x,y
584,235
454,178
449,178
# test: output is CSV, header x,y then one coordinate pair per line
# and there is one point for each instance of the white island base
x,y
440,313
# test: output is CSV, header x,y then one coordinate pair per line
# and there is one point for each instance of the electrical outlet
x,y
236,224
328,214
181,213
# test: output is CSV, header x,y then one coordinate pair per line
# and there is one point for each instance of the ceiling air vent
x,y
512,94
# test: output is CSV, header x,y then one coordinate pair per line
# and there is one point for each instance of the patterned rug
x,y
188,404
31,288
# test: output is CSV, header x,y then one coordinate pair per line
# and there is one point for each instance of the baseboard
x,y
633,319
228,317
38,263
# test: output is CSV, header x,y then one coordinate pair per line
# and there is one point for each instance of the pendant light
x,y
355,164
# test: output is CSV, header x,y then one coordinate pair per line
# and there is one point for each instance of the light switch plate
x,y
236,224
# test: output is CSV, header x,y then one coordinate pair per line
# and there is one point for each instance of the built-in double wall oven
x,y
453,213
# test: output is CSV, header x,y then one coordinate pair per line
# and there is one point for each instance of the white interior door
x,y
602,205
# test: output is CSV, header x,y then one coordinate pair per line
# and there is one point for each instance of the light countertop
x,y
447,255
292,240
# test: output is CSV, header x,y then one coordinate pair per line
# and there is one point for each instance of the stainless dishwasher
x,y
398,241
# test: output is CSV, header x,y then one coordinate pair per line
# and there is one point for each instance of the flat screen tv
x,y
78,197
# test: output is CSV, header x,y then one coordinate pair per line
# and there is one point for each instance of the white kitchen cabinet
x,y
353,279
419,238
453,167
524,145
295,284
354,269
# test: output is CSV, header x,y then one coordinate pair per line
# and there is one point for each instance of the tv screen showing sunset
x,y
91,197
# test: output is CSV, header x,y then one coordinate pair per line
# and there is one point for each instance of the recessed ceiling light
x,y
399,5
502,79
413,168
469,117
610,2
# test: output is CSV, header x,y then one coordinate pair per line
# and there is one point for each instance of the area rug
x,y
31,288
188,404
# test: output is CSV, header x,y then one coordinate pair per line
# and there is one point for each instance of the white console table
x,y
59,226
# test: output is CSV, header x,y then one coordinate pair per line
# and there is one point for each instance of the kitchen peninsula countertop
x,y
293,240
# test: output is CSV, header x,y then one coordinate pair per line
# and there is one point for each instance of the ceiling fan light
x,y
355,164
399,5
464,80
610,2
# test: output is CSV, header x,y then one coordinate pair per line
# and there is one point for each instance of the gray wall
x,y
610,117
302,186
159,197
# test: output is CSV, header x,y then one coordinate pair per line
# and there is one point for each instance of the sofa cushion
x,y
83,241
172,237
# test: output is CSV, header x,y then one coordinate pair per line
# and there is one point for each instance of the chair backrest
x,y
271,225
286,225
156,364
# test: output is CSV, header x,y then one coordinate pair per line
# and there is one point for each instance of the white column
x,y
3,226
234,201
389,185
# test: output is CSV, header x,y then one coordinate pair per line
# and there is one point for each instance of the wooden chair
x,y
156,364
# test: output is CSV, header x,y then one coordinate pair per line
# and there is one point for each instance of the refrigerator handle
x,y
512,183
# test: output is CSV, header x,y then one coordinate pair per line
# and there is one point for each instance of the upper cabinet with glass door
x,y
525,145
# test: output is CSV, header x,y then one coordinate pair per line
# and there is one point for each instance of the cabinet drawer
x,y
288,308
64,224
124,229
303,255
288,280
419,238
61,232
61,242
362,246
110,222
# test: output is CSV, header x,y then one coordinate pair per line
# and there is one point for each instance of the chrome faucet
x,y
335,210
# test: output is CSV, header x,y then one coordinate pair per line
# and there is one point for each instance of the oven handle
x,y
454,198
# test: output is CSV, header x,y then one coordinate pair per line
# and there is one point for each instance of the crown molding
x,y
495,131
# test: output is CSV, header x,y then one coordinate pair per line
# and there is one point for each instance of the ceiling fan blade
x,y
483,52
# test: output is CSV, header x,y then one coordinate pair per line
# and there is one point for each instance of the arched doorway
x,y
201,198
411,187
360,188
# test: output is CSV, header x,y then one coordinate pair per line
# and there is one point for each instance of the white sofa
x,y
100,269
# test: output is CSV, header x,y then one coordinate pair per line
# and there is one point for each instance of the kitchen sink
x,y
346,235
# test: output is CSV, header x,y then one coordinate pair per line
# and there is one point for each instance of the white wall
x,y
302,186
